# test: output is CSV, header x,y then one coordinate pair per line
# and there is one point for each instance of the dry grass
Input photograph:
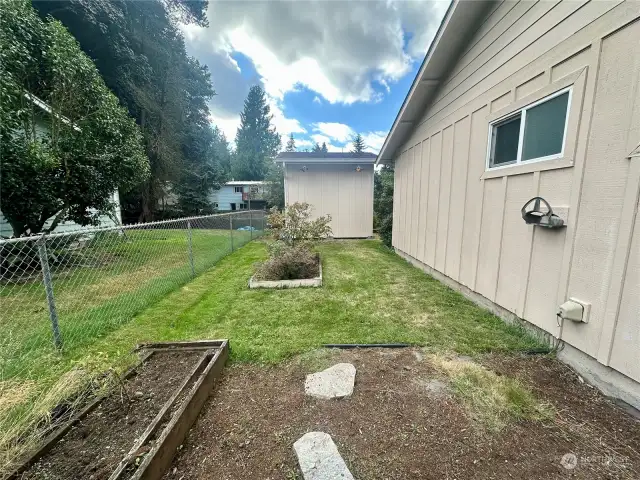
x,y
493,401
17,438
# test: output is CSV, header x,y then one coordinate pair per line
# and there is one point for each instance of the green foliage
x,y
294,225
256,140
358,144
291,144
317,148
324,148
275,186
383,203
66,162
290,256
139,49
221,151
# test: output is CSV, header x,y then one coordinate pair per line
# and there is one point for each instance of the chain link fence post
x,y
231,229
250,217
193,270
48,288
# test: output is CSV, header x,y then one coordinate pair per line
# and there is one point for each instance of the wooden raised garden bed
x,y
134,431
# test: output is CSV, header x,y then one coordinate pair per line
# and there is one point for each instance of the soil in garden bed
x,y
400,424
93,447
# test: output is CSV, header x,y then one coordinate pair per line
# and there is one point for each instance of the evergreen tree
x,y
221,151
257,141
291,144
275,186
317,148
358,144
324,148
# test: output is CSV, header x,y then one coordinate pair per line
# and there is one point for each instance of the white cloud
x,y
303,143
374,140
319,139
336,49
345,52
228,125
284,125
336,131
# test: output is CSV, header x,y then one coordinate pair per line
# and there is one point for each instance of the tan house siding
x,y
337,190
455,217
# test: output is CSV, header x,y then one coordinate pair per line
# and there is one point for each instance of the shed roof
x,y
460,22
331,157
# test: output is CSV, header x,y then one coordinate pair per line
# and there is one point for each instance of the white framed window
x,y
534,133
243,206
237,189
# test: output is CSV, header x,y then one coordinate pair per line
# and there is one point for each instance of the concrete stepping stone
x,y
319,458
334,382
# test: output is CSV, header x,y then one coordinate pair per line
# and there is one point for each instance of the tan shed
x,y
539,99
338,184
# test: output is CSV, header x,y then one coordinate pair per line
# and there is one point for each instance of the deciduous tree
x,y
65,157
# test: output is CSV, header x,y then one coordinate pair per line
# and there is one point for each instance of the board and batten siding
x,y
464,221
337,190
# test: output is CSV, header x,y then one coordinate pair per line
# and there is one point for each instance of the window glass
x,y
505,141
544,128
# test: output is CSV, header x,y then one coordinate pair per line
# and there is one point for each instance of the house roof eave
x,y
461,16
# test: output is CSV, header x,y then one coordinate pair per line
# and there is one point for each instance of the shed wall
x,y
463,221
337,190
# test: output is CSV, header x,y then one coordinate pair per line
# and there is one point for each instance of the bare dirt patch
x,y
395,427
93,447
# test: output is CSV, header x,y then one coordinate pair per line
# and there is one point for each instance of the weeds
x,y
492,400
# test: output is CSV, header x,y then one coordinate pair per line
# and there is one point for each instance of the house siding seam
x,y
457,219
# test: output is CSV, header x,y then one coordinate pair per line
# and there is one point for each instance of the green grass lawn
x,y
98,289
370,295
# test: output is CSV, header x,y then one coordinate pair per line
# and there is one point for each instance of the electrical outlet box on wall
x,y
575,310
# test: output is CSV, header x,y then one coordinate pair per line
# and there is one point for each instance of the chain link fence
x,y
60,293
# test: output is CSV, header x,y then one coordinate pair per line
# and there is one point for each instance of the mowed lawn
x,y
369,295
99,288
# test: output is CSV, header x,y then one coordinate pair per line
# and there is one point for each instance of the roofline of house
x,y
461,17
47,108
341,160
246,182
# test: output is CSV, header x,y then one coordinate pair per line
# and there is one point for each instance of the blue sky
x,y
329,68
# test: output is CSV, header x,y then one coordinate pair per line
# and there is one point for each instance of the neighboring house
x,y
41,129
537,99
238,195
338,184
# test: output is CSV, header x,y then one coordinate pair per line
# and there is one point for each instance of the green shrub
x,y
294,225
386,229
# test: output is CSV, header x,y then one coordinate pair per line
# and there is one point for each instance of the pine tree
x,y
358,144
291,144
256,140
316,148
324,148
